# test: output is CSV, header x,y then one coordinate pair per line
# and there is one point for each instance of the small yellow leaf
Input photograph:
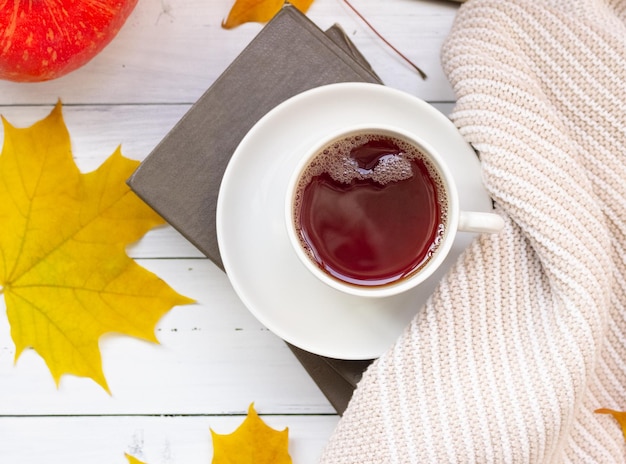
x,y
254,442
259,11
620,417
64,271
132,459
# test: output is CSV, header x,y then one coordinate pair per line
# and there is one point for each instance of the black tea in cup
x,y
370,209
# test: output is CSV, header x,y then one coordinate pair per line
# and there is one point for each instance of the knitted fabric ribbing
x,y
526,336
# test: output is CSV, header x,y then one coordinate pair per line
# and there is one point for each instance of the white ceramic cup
x,y
455,220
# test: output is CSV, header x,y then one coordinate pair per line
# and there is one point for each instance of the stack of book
x,y
181,178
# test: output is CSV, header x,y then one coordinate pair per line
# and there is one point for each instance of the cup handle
x,y
474,221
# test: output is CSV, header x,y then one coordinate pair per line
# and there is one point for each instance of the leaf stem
x,y
413,65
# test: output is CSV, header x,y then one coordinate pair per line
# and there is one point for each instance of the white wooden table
x,y
214,358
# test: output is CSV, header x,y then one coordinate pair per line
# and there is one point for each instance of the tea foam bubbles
x,y
336,161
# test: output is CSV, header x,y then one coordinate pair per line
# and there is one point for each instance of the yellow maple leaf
x,y
259,11
64,271
619,416
132,459
254,442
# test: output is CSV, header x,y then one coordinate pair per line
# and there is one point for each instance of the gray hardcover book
x,y
180,179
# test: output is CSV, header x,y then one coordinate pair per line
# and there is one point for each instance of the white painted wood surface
x,y
214,358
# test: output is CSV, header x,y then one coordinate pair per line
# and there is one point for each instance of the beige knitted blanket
x,y
526,336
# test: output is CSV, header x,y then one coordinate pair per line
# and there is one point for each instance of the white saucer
x,y
258,258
